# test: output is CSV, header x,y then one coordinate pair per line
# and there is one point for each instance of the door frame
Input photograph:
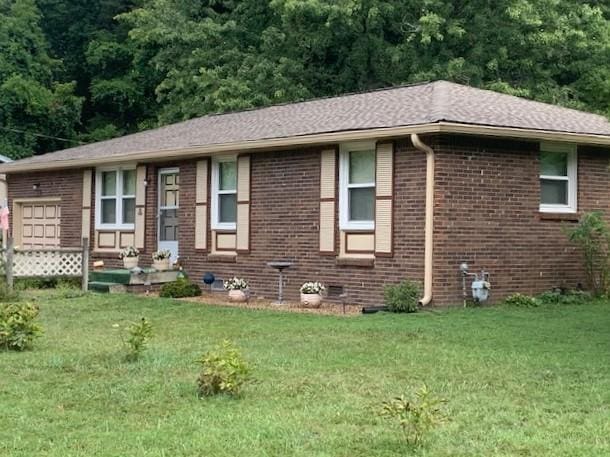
x,y
160,173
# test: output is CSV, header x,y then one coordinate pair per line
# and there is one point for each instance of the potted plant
x,y
311,294
161,259
237,289
130,257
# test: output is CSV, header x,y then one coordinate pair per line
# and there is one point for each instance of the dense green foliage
x,y
517,381
402,297
89,70
223,371
592,237
180,288
18,326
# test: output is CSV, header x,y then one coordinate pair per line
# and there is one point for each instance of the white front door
x,y
169,202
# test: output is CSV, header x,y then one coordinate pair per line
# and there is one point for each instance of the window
x,y
224,194
357,186
558,191
116,198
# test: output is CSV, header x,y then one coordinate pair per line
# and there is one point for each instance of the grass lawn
x,y
518,382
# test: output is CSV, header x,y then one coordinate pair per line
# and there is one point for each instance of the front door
x,y
169,202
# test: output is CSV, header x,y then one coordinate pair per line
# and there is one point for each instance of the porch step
x,y
110,276
106,287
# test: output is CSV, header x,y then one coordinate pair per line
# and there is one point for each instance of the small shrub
x,y
592,237
223,371
138,334
7,295
402,297
417,417
35,283
568,297
521,301
17,327
180,288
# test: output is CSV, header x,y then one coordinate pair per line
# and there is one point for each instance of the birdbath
x,y
280,267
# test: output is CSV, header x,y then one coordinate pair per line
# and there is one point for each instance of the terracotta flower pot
x,y
161,265
130,262
238,296
311,300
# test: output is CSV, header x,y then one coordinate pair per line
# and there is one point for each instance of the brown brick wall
x,y
487,201
67,185
486,213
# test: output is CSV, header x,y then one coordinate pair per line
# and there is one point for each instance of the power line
x,y
41,135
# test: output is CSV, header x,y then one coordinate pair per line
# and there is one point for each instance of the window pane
x,y
108,183
554,163
129,210
129,182
553,192
227,172
168,225
361,167
109,211
362,204
227,212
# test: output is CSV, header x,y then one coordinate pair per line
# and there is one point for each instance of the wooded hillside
x,y
84,70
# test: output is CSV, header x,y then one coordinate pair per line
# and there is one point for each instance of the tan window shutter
x,y
86,217
384,189
140,222
243,203
328,161
201,205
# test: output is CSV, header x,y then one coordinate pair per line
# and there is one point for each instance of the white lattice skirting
x,y
29,264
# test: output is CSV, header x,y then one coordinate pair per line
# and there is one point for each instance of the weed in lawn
x,y
17,327
138,334
417,416
223,371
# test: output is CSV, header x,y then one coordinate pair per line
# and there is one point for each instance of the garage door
x,y
40,225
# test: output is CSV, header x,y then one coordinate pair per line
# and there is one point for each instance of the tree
x,y
35,109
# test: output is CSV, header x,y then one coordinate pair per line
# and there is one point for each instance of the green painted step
x,y
110,276
101,287
106,287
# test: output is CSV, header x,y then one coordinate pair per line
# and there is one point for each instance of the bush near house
x,y
180,288
402,297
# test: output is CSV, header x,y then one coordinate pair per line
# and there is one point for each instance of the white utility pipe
x,y
429,225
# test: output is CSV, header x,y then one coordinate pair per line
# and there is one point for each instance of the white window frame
x,y
216,192
119,225
344,222
571,178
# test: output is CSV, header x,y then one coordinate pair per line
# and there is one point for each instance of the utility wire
x,y
41,135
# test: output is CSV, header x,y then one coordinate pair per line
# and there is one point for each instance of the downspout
x,y
429,221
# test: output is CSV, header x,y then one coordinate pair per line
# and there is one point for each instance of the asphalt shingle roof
x,y
392,107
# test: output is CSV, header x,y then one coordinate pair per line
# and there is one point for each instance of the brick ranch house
x,y
358,191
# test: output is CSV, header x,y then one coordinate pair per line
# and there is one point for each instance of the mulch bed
x,y
292,307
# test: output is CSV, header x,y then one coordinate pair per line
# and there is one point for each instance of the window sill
x,y
356,261
115,228
217,258
568,217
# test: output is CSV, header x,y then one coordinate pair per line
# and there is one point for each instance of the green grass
x,y
518,382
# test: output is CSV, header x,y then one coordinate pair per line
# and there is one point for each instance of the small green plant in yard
x,y
417,416
7,295
67,290
180,288
521,301
567,297
138,335
223,371
592,237
402,297
17,327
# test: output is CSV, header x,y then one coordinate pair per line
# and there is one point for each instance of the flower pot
x,y
311,300
161,265
238,296
130,262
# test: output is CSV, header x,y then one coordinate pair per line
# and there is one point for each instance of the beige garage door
x,y
40,225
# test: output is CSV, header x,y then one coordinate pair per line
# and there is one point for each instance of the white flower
x,y
312,288
236,283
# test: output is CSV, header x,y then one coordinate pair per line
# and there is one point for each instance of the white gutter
x,y
429,220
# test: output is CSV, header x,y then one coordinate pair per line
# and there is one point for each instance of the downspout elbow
x,y
429,218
